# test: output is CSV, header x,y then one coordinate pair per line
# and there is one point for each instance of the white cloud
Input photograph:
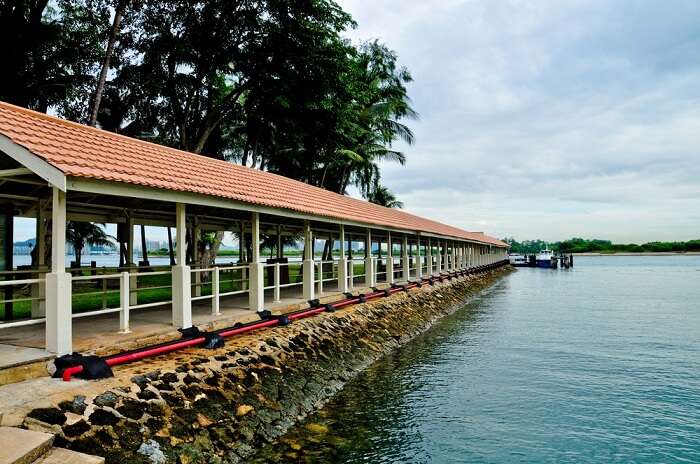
x,y
549,119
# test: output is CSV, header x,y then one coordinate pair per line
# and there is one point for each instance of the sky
x,y
545,119
549,119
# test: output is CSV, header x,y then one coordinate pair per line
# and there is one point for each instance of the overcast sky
x,y
549,119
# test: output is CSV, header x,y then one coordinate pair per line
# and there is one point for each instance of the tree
x,y
114,31
80,234
53,51
380,195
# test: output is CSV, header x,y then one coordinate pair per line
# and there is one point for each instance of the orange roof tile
x,y
86,152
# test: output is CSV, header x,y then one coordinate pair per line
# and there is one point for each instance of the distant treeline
x,y
581,245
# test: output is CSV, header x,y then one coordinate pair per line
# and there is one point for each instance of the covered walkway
x,y
57,171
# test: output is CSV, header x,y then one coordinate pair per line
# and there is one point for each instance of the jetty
x,y
57,171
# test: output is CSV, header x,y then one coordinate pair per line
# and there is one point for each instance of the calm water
x,y
596,364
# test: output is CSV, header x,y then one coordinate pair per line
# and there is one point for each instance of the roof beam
x,y
15,172
34,163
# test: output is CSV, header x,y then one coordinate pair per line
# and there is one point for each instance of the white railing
x,y
32,299
276,285
351,271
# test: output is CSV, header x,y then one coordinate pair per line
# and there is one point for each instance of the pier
x,y
57,171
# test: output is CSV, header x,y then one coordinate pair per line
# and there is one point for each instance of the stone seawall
x,y
208,406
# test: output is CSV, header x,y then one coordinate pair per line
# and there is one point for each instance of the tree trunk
x,y
78,256
170,247
144,248
118,13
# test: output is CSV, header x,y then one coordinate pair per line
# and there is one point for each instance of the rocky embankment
x,y
203,406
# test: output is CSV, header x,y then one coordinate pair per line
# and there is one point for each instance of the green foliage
x,y
270,84
80,234
580,245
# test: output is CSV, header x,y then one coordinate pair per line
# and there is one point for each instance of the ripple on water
x,y
598,364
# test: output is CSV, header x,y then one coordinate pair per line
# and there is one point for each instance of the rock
x,y
102,417
76,406
151,449
243,409
52,416
106,399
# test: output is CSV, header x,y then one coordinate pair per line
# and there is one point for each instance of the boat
x,y
518,260
545,258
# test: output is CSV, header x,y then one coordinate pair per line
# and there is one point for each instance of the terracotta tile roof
x,y
85,152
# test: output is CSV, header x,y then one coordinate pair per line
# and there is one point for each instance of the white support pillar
x,y
419,260
438,259
389,259
215,290
124,283
406,260
242,259
59,313
454,266
196,231
38,290
429,258
342,263
308,264
256,292
369,263
182,278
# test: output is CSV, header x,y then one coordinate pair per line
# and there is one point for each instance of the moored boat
x,y
545,258
518,260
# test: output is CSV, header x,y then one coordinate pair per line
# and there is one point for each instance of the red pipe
x,y
174,346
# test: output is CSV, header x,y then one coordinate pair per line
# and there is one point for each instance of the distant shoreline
x,y
641,253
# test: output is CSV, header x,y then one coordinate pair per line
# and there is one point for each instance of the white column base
x,y
419,266
390,269
182,297
406,268
59,314
256,294
343,275
309,272
369,273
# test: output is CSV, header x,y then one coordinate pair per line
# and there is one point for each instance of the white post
x,y
182,278
276,296
419,261
454,266
369,263
59,313
241,254
38,290
215,290
256,294
351,274
320,278
308,264
196,231
406,260
445,257
389,259
124,300
429,258
342,263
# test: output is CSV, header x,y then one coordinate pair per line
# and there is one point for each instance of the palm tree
x,y
80,234
381,195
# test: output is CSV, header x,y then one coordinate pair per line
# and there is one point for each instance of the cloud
x,y
549,119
